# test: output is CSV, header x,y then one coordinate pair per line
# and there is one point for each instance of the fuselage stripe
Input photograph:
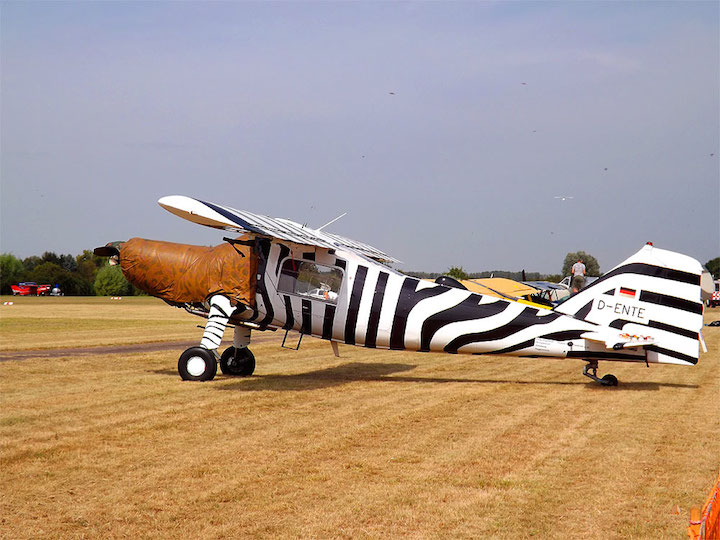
x,y
289,317
672,354
467,310
328,321
306,317
374,319
409,298
564,335
674,329
355,297
265,247
652,271
513,348
528,317
583,311
600,354
284,252
671,301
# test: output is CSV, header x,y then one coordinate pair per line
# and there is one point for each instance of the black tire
x,y
609,380
241,364
197,364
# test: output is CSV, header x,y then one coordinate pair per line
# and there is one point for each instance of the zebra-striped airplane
x,y
294,278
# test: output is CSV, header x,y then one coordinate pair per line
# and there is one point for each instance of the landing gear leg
x,y
220,312
590,370
200,363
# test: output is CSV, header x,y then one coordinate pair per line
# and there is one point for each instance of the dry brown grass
x,y
67,321
374,443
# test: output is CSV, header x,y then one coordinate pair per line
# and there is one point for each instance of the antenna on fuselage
x,y
331,222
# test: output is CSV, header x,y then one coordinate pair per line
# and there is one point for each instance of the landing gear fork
x,y
590,370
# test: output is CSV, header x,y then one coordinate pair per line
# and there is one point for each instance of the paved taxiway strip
x,y
115,349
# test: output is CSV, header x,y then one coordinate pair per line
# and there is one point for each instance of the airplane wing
x,y
230,219
503,286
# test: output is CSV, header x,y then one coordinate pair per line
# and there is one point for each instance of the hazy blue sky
x,y
286,109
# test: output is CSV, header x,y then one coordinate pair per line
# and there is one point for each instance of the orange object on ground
x,y
706,525
180,273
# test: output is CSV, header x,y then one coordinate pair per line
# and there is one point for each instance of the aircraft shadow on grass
x,y
386,372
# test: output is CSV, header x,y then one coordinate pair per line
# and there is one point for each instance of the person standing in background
x,y
578,276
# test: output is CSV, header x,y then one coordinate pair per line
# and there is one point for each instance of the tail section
x,y
656,294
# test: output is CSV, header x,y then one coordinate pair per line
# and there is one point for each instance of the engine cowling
x,y
183,273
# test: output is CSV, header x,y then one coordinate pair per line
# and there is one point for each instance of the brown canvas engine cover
x,y
184,273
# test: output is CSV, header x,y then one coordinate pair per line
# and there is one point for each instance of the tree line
x,y
81,275
592,268
87,274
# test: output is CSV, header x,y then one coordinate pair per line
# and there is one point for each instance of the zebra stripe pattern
x,y
218,316
378,307
663,302
381,308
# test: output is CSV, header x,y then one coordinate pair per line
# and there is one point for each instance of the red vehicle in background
x,y
30,288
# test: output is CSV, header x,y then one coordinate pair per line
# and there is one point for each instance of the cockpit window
x,y
308,278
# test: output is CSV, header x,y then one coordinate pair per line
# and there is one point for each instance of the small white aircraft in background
x,y
280,275
564,198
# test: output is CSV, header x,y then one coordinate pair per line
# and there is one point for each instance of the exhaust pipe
x,y
112,250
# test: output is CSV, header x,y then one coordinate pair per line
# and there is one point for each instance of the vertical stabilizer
x,y
654,293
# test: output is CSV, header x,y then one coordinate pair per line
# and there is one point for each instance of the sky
x,y
446,130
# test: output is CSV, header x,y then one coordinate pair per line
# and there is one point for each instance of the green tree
x,y
11,271
111,282
68,262
88,256
29,263
88,265
74,284
51,256
592,267
87,270
457,272
70,283
47,272
713,267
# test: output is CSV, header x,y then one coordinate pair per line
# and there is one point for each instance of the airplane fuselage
x,y
371,305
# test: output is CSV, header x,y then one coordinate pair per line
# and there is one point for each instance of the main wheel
x,y
197,364
609,380
240,364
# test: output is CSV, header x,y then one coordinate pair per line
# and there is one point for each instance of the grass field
x,y
371,444
48,322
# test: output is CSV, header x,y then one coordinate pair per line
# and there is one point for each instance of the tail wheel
x,y
197,364
237,362
609,380
590,370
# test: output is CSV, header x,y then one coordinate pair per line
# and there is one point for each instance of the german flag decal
x,y
627,293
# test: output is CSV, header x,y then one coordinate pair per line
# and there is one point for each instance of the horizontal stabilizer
x,y
617,340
